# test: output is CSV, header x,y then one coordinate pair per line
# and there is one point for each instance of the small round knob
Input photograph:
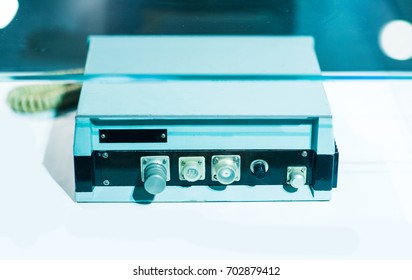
x,y
297,180
155,178
259,168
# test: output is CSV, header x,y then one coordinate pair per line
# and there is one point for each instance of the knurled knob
x,y
259,170
155,176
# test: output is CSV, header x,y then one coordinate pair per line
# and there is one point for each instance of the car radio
x,y
203,118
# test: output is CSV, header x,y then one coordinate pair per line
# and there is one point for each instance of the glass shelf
x,y
371,35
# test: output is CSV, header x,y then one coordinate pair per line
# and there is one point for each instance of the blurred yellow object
x,y
44,97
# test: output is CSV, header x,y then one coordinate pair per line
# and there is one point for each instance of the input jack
x,y
226,169
192,169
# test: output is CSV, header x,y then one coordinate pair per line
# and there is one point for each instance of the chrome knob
x,y
155,176
297,180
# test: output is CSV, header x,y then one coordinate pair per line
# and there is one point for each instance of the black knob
x,y
259,170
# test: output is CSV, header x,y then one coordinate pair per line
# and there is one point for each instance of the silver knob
x,y
155,176
297,180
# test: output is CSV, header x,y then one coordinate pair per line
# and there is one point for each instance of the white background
x,y
369,216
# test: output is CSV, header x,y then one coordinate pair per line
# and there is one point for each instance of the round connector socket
x,y
191,172
226,170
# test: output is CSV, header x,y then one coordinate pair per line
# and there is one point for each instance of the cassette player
x,y
203,118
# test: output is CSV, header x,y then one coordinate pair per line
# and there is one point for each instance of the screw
x,y
215,160
106,182
199,162
303,169
163,135
304,154
182,162
214,176
289,169
105,155
103,136
144,161
164,161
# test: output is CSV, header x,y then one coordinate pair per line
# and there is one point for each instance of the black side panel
x,y
326,171
335,168
83,173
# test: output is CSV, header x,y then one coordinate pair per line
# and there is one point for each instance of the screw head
x,y
144,161
164,161
103,136
163,136
106,182
183,162
304,154
105,155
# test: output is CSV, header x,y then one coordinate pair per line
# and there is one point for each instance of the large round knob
x,y
155,176
297,180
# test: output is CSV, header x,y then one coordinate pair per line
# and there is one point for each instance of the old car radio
x,y
203,118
